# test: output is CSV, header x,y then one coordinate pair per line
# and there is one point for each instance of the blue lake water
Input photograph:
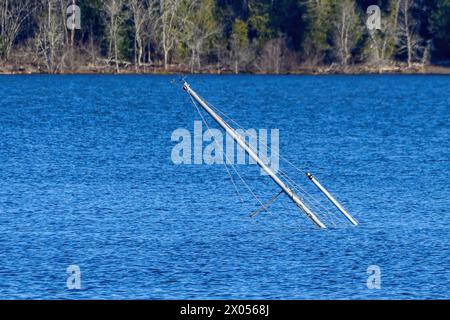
x,y
86,178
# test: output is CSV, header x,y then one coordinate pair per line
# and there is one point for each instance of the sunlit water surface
x,y
86,179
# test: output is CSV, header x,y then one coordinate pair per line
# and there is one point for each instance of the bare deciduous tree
x,y
382,42
13,13
240,51
199,28
114,10
139,13
270,58
169,20
408,39
347,30
50,37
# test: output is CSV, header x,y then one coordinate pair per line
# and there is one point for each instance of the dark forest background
x,y
266,36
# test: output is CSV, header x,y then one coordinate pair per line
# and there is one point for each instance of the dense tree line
x,y
222,35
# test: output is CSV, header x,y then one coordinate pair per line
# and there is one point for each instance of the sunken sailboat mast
x,y
331,198
236,137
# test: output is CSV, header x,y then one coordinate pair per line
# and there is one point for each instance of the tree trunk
x,y
140,51
165,58
408,34
116,55
72,35
164,40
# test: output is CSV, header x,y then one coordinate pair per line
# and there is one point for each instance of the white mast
x,y
331,198
254,156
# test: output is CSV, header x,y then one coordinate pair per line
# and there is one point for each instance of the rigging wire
x,y
308,198
228,160
297,187
313,202
304,191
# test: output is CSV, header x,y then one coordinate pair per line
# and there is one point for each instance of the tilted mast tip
x,y
331,198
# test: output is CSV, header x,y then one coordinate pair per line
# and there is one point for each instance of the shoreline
x,y
157,70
